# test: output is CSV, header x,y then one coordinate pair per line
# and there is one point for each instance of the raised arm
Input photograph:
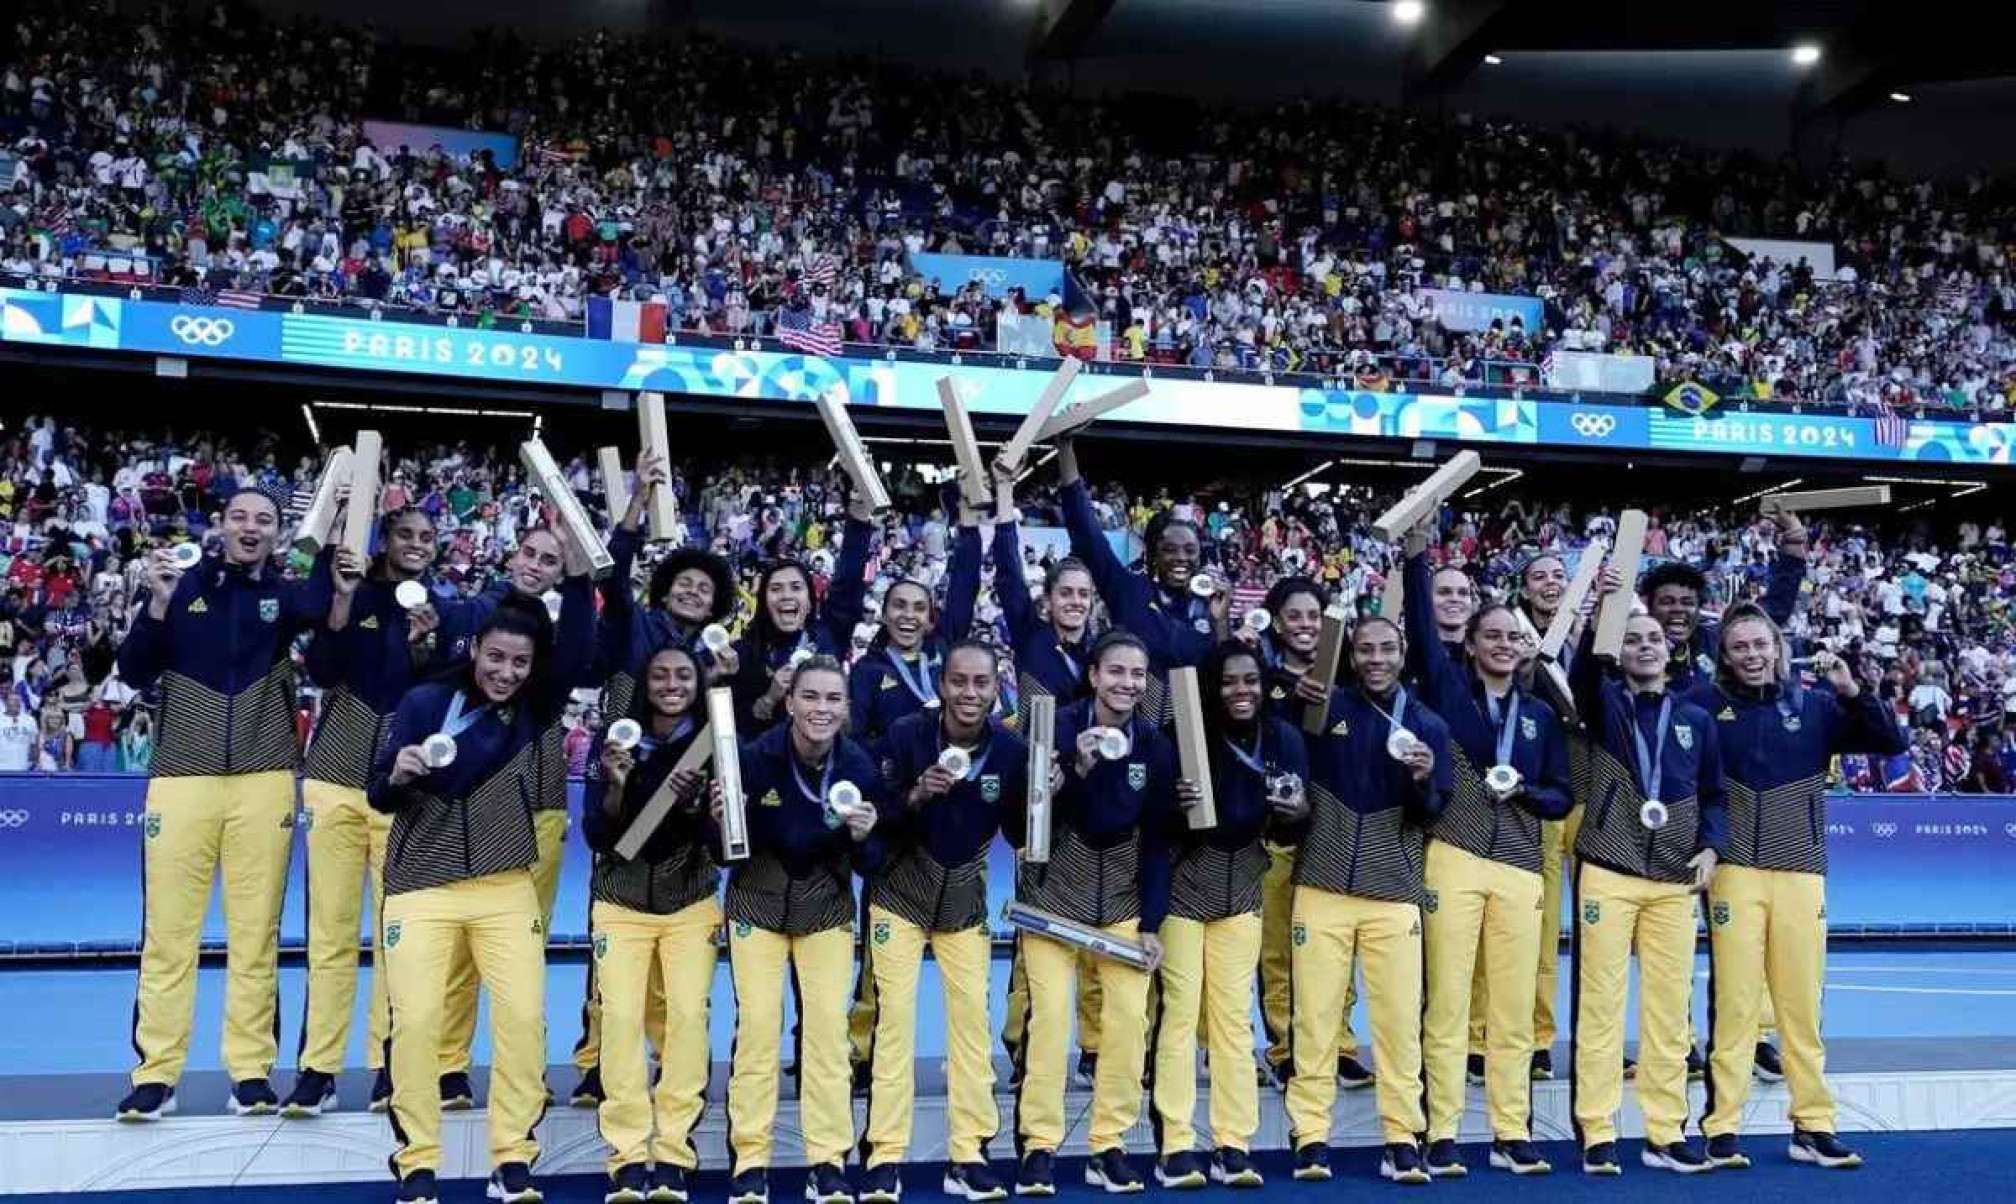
x,y
962,584
846,597
1011,587
149,643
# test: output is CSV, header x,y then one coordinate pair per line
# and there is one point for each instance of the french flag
x,y
626,321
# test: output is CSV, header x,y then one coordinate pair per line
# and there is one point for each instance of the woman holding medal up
x,y
811,796
1652,831
1509,773
1211,938
654,919
898,675
789,627
458,774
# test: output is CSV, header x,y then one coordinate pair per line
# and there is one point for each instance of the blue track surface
x,y
1976,1165
81,1018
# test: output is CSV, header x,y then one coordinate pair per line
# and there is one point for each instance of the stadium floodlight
x,y
1902,98
1408,12
1492,60
1805,54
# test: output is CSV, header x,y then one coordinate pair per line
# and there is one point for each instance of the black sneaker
x,y
1601,1159
1443,1160
512,1184
1769,1068
1630,1068
1234,1168
381,1091
1726,1153
1087,1073
1351,1073
1822,1149
458,1094
1281,1074
668,1184
1543,1066
1520,1157
418,1188
1181,1172
973,1181
864,1078
1037,1175
750,1187
629,1185
1108,1169
1678,1157
1697,1066
1312,1162
148,1101
1402,1164
588,1092
314,1093
252,1097
1473,1069
827,1184
884,1184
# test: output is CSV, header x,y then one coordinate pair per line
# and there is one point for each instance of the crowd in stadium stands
x,y
741,186
1932,624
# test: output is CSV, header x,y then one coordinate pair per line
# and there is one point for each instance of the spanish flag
x,y
1692,398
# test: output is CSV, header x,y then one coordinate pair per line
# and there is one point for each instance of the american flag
x,y
824,269
796,329
198,295
236,298
1891,428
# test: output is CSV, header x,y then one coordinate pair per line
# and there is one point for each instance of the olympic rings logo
x,y
210,332
1593,426
15,818
1884,830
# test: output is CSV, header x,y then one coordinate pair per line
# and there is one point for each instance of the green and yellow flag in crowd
x,y
1692,397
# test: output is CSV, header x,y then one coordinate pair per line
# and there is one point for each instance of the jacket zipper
x,y
230,668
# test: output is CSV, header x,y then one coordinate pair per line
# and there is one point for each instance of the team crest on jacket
x,y
1727,715
1592,912
269,609
370,623
199,607
990,788
1528,730
1792,723
770,799
1137,776
1705,663
1685,736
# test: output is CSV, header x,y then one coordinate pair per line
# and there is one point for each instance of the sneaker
x,y
629,1185
1280,1074
1520,1157
1601,1159
1443,1160
512,1183
884,1184
314,1093
1402,1164
750,1187
588,1092
418,1188
1724,1152
1312,1162
1087,1074
668,1184
1473,1069
457,1093
1769,1068
1181,1172
381,1091
1630,1068
1678,1157
1697,1066
1543,1066
252,1097
1234,1168
148,1101
1108,1169
1037,1176
1351,1073
973,1181
1822,1149
827,1184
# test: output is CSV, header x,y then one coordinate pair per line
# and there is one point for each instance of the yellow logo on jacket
x,y
770,799
369,624
199,607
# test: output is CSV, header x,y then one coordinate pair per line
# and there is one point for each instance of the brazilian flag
x,y
1692,398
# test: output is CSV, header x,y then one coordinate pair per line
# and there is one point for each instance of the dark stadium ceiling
x,y
1713,71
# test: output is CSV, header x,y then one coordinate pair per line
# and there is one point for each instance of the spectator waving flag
x,y
824,269
797,330
626,321
1891,428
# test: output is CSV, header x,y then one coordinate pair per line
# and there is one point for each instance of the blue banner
x,y
70,864
1460,310
674,368
1037,278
